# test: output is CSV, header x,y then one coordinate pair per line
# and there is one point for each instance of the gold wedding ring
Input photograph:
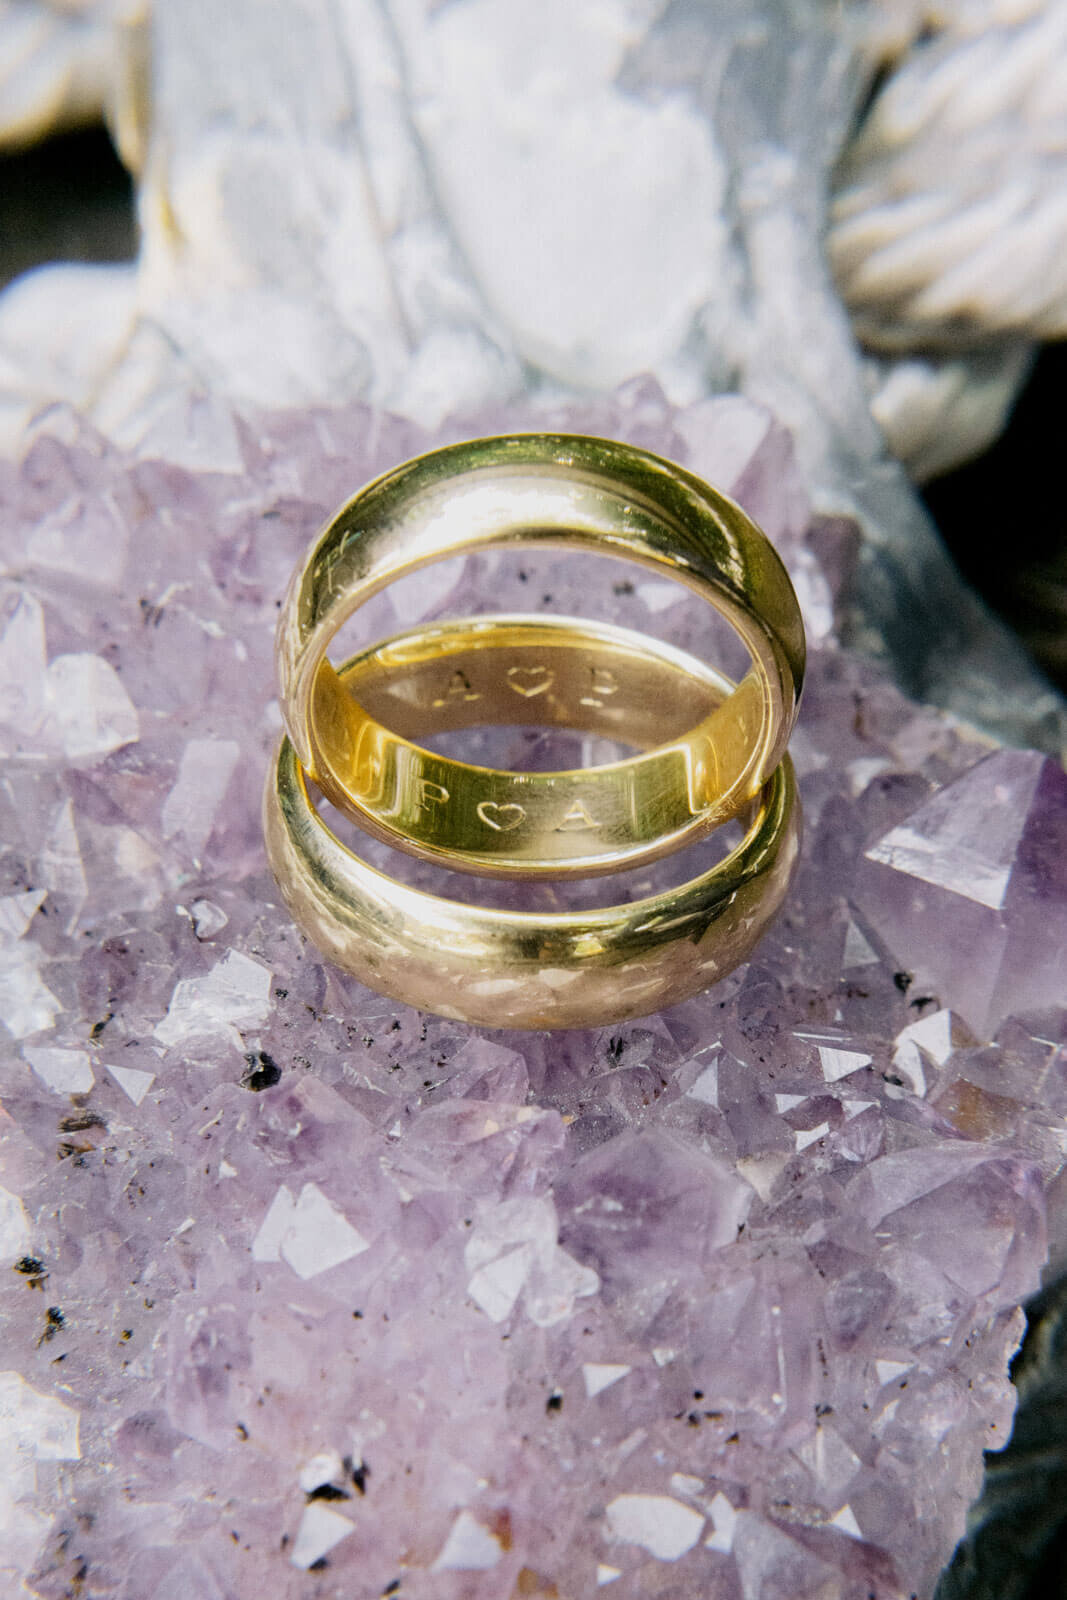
x,y
704,749
520,969
581,494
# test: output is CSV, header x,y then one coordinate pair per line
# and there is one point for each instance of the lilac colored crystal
x,y
310,1295
987,855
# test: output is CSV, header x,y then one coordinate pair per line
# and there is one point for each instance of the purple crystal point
x,y
970,890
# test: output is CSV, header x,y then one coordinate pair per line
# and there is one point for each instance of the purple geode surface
x,y
311,1296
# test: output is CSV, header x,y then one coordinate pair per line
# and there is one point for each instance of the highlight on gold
x,y
705,750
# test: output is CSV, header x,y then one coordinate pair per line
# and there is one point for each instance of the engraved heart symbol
x,y
500,818
529,681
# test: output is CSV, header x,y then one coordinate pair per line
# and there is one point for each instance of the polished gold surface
x,y
567,491
525,970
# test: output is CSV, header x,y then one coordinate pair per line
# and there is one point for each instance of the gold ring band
x,y
527,970
579,493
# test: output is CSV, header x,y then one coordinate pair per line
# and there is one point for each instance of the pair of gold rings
x,y
708,750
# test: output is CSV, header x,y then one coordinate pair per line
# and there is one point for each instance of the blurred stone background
x,y
69,198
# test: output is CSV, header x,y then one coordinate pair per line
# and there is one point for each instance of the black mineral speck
x,y
554,1401
328,1491
53,1321
903,980
78,1121
262,1072
31,1267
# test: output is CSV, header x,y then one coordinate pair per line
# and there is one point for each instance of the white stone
x,y
723,1517
89,712
208,918
660,596
606,1574
496,1287
17,911
468,1548
321,1528
600,1375
309,1234
236,990
854,1108
763,1172
846,1521
135,858
685,1483
706,1087
36,1424
32,1427
886,1417
932,1034
514,1249
908,1064
659,1524
326,1467
858,952
60,865
837,1064
14,1228
806,1136
27,1005
551,1289
22,1527
860,774
22,664
786,1102
204,774
814,595
888,1370
267,1244
64,1071
133,1081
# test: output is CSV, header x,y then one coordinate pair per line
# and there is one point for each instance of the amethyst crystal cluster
x,y
309,1295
